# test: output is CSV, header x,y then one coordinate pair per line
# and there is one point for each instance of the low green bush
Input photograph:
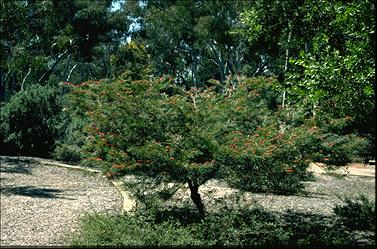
x,y
241,227
334,149
69,146
32,121
357,213
132,231
232,228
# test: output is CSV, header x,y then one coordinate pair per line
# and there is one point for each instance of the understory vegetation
x,y
240,227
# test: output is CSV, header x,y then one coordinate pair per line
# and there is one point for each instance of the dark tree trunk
x,y
195,197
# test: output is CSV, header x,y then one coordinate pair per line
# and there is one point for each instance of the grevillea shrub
x,y
264,161
174,134
151,127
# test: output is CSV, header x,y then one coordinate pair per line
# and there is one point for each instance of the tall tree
x,y
52,40
191,40
324,52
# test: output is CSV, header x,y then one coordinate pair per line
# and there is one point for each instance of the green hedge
x,y
32,121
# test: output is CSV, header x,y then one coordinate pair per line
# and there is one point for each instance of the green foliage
x,y
69,146
357,213
161,130
334,149
336,76
51,41
244,227
190,40
258,153
150,127
132,231
265,161
138,125
240,227
131,61
31,121
232,228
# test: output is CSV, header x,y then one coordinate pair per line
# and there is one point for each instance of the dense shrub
x,y
149,127
334,149
259,151
132,231
69,146
231,228
343,141
259,174
240,227
31,121
157,128
357,213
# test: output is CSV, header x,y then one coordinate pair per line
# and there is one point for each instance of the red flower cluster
x,y
118,166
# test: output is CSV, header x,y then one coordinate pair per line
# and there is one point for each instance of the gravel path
x,y
319,198
41,204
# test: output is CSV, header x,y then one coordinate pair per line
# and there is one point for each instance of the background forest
x,y
186,90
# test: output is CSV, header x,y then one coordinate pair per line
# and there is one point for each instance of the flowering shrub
x,y
174,134
259,154
150,127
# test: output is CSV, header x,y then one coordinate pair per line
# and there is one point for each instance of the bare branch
x,y
70,72
24,79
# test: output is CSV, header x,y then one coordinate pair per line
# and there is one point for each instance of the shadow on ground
x,y
32,191
18,166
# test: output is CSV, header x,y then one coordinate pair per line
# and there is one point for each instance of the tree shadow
x,y
18,166
32,191
185,215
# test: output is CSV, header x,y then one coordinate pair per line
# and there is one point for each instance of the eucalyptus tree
x,y
51,41
191,40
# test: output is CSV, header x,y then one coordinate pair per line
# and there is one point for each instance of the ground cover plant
x,y
242,226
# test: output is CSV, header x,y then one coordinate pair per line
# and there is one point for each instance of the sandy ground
x,y
41,204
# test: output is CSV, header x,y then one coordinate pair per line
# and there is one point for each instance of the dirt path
x,y
41,204
355,169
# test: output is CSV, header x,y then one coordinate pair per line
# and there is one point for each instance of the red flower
x,y
118,166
